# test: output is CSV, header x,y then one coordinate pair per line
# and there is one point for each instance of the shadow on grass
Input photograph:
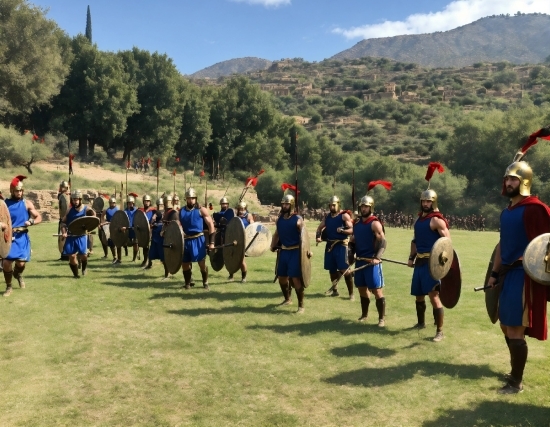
x,y
363,349
195,312
377,377
199,294
495,414
342,326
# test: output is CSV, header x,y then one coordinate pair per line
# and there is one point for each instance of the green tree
x,y
21,150
89,25
352,102
34,57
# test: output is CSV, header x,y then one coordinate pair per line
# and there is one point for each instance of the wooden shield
x,y
216,256
142,229
90,212
258,239
5,239
233,255
173,247
120,219
98,204
492,295
441,258
104,234
451,284
536,259
64,204
83,225
305,258
170,215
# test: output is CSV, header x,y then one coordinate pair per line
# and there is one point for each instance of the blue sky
x,y
199,33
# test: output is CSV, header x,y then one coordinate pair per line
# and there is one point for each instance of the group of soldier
x,y
360,241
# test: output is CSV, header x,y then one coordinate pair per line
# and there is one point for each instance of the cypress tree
x,y
89,25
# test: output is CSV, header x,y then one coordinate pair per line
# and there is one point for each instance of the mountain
x,y
518,39
232,66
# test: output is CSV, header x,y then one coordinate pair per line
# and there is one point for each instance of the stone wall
x,y
45,202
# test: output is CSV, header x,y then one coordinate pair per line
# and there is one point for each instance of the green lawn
x,y
120,347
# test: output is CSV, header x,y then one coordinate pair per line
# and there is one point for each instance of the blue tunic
x,y
227,214
109,213
156,251
424,236
131,213
336,255
244,219
422,282
192,224
289,235
75,244
21,243
370,277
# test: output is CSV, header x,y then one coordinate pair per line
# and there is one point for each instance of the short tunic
x,y
422,282
336,254
192,224
108,216
21,243
75,244
156,251
131,233
370,277
289,235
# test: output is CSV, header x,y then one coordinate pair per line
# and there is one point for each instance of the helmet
x,y
17,183
367,201
63,184
289,198
431,196
167,200
176,198
241,205
224,200
191,193
112,200
160,202
130,199
146,198
334,200
522,171
76,194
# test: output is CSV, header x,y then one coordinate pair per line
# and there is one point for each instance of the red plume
x,y
202,173
432,167
174,173
177,159
261,172
133,194
543,133
386,184
105,196
286,186
35,137
251,182
16,180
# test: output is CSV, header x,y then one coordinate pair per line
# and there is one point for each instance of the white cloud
x,y
266,3
455,14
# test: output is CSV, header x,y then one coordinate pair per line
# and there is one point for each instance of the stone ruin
x,y
45,202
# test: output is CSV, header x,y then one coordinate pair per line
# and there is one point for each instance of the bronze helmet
x,y
524,173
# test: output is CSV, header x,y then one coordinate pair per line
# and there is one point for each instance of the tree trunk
x,y
126,154
83,147
91,146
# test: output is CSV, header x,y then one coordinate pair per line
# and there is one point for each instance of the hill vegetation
x,y
232,66
518,39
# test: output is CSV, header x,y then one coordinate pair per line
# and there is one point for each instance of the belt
x,y
194,236
423,255
20,229
336,242
288,248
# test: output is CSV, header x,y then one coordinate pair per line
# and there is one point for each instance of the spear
x,y
296,169
158,167
226,190
206,192
174,173
353,192
127,168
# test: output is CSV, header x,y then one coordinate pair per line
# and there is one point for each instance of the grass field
x,y
119,347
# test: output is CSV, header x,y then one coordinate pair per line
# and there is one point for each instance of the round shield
x,y
258,239
216,256
64,204
441,258
98,204
83,225
90,212
451,285
104,234
492,295
233,255
120,219
142,229
173,247
305,258
61,243
5,239
170,215
536,259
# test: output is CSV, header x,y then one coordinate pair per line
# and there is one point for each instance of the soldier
x,y
167,204
106,216
75,246
23,215
221,219
428,228
176,202
63,192
338,227
369,243
288,231
148,210
522,301
157,251
193,217
130,211
246,219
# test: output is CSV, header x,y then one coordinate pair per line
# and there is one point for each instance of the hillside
x,y
517,39
232,66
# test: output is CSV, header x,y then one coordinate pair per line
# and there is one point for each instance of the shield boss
x,y
441,258
258,239
142,229
305,258
233,255
5,239
451,284
173,247
536,259
119,220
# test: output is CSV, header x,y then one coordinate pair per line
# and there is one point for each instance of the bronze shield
x,y
83,225
64,204
492,295
120,219
305,257
173,247
233,255
451,284
5,239
216,256
142,229
258,239
98,204
536,259
441,258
